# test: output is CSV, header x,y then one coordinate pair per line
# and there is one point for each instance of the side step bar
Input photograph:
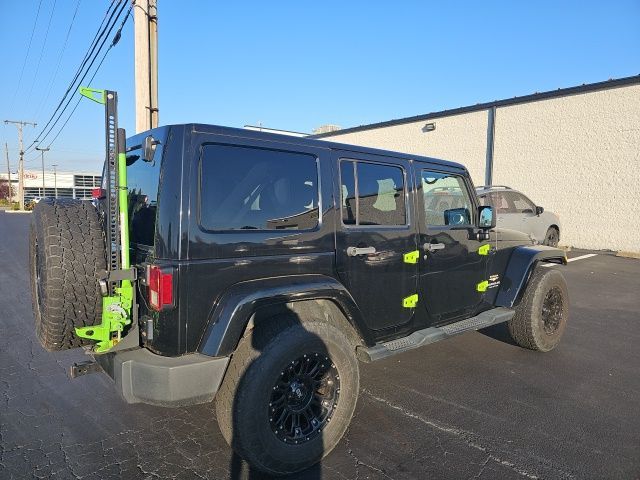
x,y
434,334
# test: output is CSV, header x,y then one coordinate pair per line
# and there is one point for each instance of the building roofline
x,y
534,97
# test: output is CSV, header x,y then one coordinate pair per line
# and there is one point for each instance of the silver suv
x,y
516,212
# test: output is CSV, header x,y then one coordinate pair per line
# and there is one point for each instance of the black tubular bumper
x,y
144,377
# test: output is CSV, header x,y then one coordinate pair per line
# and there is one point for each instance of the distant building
x,y
329,128
56,184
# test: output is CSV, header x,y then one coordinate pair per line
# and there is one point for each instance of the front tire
x,y
289,394
542,315
552,237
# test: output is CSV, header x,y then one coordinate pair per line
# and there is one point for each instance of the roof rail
x,y
487,187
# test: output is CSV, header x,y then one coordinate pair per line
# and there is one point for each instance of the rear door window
x,y
249,189
372,194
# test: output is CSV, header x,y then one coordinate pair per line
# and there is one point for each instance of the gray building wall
x,y
576,154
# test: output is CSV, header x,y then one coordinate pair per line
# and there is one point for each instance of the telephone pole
x,y
20,124
42,150
6,151
55,178
145,19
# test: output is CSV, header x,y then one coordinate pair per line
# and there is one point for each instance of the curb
x,y
628,254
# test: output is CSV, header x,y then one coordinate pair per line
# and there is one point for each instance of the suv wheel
x,y
552,237
289,394
541,316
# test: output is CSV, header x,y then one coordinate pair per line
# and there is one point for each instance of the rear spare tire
x,y
541,317
67,255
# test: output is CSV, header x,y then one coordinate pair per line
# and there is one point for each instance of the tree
x,y
5,190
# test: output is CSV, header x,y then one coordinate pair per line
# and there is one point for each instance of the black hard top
x,y
293,140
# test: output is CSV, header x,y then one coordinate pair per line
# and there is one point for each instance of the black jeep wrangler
x,y
266,266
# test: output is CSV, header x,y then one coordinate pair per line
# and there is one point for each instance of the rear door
x,y
450,266
374,231
524,213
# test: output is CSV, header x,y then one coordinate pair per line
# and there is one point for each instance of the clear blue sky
x,y
297,65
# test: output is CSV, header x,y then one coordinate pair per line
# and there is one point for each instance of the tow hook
x,y
84,368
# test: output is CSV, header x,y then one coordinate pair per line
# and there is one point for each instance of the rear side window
x,y
372,194
143,180
243,188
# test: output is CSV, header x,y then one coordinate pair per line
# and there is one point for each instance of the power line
x,y
71,88
44,44
116,39
24,64
59,61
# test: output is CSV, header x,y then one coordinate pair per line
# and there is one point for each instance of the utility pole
x,y
55,178
20,124
145,19
42,150
6,151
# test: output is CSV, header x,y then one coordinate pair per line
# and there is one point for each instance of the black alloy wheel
x,y
552,311
304,398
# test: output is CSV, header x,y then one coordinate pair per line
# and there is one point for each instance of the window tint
x,y
255,189
380,193
143,179
521,204
446,199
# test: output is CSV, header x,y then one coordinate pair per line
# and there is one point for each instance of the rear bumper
x,y
144,377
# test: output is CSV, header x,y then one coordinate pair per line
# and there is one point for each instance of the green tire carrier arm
x,y
117,305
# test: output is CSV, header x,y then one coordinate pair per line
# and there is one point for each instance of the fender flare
x,y
233,310
521,264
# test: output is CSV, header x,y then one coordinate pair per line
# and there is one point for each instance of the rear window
x,y
244,188
143,179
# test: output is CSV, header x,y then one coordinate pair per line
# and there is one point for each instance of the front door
x,y
374,233
450,265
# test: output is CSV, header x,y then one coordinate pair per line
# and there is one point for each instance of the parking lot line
x,y
581,257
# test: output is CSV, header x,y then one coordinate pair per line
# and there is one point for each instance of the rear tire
x,y
542,315
67,255
266,381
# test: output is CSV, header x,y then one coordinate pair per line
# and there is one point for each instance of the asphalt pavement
x,y
473,407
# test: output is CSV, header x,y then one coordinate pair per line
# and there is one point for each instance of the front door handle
x,y
432,247
355,251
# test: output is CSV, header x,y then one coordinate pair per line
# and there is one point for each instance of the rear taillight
x,y
160,284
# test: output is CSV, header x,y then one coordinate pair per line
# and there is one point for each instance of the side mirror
x,y
539,210
486,217
148,148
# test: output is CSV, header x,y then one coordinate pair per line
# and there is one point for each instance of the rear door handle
x,y
355,251
432,247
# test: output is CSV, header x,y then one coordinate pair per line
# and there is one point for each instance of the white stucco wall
x,y
469,146
578,156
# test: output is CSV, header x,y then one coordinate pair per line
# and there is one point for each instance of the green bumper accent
x,y
115,316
